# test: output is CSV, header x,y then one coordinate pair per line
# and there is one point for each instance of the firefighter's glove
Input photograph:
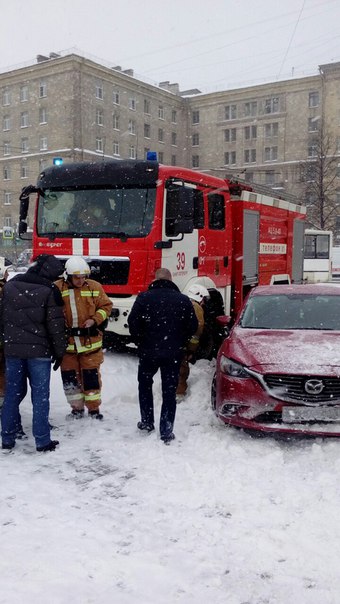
x,y
57,363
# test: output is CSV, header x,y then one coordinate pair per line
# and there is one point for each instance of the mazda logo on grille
x,y
314,386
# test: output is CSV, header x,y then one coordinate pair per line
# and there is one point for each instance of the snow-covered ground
x,y
116,517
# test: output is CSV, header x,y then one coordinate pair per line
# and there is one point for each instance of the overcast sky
x,y
206,44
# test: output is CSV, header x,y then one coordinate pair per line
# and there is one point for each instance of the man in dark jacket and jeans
x,y
31,312
161,321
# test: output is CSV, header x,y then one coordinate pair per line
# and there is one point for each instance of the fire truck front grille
x,y
110,272
293,387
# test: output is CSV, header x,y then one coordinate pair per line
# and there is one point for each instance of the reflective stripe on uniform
x,y
90,294
73,308
75,397
102,313
79,348
92,397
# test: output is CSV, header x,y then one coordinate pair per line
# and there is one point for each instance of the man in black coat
x,y
33,329
161,322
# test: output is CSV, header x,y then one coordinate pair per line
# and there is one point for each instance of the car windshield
x,y
292,311
110,212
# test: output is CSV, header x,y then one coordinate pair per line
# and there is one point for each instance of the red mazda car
x,y
278,370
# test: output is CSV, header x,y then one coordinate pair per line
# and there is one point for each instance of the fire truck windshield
x,y
96,212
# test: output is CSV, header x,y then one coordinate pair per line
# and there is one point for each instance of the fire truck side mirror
x,y
24,203
22,231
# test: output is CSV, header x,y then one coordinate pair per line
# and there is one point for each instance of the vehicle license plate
x,y
292,415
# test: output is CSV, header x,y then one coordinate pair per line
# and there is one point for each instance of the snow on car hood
x,y
282,351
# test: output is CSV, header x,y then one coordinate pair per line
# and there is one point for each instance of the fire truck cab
x,y
128,218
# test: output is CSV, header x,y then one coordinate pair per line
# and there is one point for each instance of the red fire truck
x,y
217,232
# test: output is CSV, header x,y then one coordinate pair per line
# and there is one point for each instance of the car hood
x,y
283,351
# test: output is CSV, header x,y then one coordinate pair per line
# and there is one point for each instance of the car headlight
x,y
232,368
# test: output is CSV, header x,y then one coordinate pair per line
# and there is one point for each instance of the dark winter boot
x,y
8,447
96,414
50,447
168,438
76,414
145,426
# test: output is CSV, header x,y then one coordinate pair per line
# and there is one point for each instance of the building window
x,y
310,198
270,177
42,115
271,130
272,105
313,99
116,148
249,156
116,97
24,119
7,173
99,91
309,173
99,117
230,158
161,135
230,135
147,130
173,160
250,109
161,157
195,119
132,127
132,103
174,116
230,112
8,221
174,138
161,112
115,122
195,139
6,97
312,150
250,132
195,162
146,151
99,144
7,198
43,163
313,124
43,143
23,94
132,152
270,153
6,123
24,170
42,89
147,106
24,145
7,148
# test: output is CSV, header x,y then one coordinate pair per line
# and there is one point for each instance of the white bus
x,y
317,264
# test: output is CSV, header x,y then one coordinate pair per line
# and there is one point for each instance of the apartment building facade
x,y
78,109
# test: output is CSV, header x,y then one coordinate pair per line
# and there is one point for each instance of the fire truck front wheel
x,y
115,343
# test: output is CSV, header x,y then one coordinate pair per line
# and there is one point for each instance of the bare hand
x,y
88,323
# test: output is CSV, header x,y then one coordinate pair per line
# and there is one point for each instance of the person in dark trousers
x,y
161,322
33,327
